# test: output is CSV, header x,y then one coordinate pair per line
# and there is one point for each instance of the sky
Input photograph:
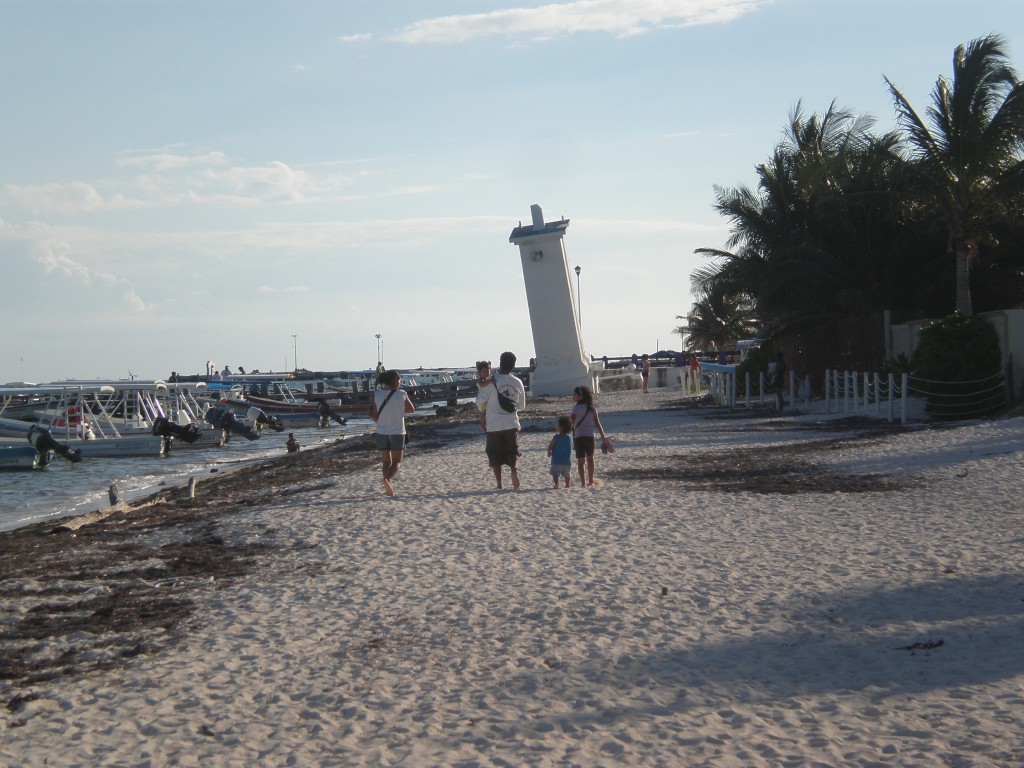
x,y
272,183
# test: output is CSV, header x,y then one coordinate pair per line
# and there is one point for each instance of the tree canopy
x,y
846,223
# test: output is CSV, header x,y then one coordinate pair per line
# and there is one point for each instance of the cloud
x,y
356,38
172,180
166,161
75,197
274,181
621,18
85,277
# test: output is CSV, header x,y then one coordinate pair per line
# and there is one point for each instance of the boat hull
x,y
117,447
20,457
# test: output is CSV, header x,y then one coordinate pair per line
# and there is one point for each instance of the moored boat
x,y
115,419
18,454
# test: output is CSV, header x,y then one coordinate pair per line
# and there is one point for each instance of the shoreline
x,y
794,573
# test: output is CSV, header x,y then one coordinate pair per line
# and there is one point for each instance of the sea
x,y
63,489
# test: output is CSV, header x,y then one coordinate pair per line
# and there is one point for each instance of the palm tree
x,y
813,240
718,320
967,156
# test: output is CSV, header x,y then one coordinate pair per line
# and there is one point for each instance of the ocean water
x,y
64,489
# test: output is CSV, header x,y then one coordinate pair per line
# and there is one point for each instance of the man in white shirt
x,y
501,425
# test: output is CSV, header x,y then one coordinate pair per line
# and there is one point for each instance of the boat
x,y
18,454
111,419
36,451
282,404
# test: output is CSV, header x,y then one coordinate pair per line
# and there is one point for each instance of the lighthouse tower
x,y
562,361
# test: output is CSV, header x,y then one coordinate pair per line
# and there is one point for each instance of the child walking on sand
x,y
585,422
560,451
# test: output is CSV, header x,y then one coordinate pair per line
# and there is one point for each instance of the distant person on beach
x,y
380,367
501,425
585,422
292,444
560,451
779,381
390,418
645,370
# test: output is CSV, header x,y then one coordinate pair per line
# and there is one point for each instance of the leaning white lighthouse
x,y
562,361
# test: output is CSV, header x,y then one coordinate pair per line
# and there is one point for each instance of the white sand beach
x,y
741,590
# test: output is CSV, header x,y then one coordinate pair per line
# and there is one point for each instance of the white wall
x,y
1009,327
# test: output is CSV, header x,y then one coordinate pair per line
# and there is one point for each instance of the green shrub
x,y
755,363
959,364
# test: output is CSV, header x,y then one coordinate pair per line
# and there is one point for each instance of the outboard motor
x,y
260,419
224,419
326,414
168,430
41,439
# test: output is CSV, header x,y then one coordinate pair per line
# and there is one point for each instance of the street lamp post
x,y
579,301
380,347
295,350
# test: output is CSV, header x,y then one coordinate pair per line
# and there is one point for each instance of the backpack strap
x,y
581,420
390,394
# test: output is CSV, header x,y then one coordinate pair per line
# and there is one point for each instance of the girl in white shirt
x,y
388,409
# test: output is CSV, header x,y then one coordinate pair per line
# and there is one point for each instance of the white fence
x,y
868,394
845,392
890,396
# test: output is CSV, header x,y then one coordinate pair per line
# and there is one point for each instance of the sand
x,y
741,590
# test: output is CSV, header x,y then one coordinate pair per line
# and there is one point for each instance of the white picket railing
x,y
847,392
890,396
876,394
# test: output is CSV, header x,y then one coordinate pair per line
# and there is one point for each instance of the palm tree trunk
x,y
963,278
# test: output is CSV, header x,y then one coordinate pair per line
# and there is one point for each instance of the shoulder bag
x,y
507,403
